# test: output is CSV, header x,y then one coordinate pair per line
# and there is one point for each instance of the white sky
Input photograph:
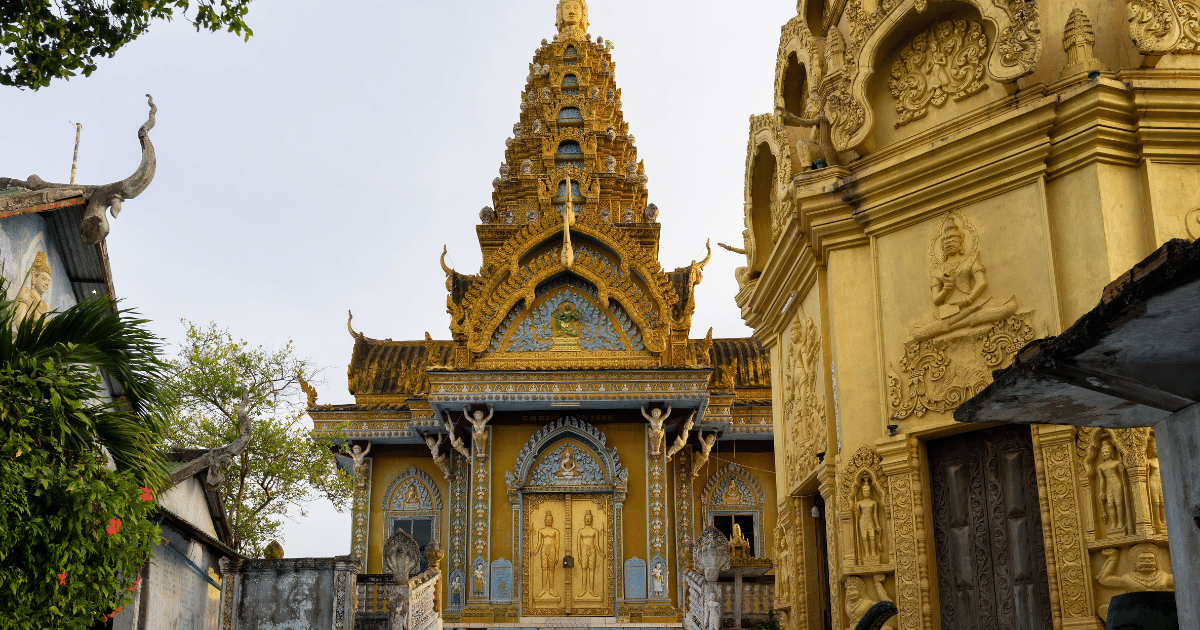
x,y
322,165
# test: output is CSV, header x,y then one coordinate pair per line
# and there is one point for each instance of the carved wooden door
x,y
568,547
991,559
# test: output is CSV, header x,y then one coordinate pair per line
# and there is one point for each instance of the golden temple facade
x,y
574,435
940,183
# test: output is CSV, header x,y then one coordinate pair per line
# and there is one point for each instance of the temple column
x,y
1067,559
901,463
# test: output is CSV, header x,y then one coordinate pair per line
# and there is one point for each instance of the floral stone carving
x,y
945,61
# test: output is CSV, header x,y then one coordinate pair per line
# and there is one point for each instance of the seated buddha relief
x,y
958,282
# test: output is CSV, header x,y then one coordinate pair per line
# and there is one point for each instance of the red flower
x,y
146,496
135,583
114,613
114,526
62,578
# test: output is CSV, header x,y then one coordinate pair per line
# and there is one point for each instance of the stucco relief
x,y
967,334
944,61
863,496
804,403
1163,26
1014,54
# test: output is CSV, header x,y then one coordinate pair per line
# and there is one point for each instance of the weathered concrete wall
x,y
289,593
1178,445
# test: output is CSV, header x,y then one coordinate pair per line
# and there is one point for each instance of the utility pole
x,y
75,160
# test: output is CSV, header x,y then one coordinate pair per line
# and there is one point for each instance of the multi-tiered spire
x,y
570,272
571,129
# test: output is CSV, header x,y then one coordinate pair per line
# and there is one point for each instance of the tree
x,y
73,526
285,466
42,40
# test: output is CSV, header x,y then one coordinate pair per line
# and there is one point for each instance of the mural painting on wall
x,y
967,334
31,298
804,405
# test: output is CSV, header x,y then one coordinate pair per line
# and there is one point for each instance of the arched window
x,y
570,56
762,179
795,87
569,154
570,85
570,117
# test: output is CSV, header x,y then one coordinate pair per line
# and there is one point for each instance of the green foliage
x,y
42,40
74,534
284,467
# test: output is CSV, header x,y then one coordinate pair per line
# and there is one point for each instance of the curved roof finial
x,y
356,335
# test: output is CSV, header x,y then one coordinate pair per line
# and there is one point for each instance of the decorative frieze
x,y
944,61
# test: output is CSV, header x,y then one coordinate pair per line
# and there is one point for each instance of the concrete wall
x,y
291,593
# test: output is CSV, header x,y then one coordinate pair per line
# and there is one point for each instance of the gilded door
x,y
991,559
568,547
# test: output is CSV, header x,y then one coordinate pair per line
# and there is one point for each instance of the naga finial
x,y
736,250
707,246
356,335
94,227
450,273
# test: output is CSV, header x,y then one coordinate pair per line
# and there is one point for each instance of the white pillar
x,y
1178,440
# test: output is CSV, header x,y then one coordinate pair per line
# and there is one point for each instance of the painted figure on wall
x,y
869,525
565,320
478,575
958,283
591,547
1110,486
31,299
659,582
1145,575
656,417
547,543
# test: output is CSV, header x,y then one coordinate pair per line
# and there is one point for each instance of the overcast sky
x,y
322,165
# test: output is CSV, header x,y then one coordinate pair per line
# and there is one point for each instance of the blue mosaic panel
x,y
570,81
570,149
635,579
570,116
502,581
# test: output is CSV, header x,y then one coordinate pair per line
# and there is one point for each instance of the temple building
x,y
940,183
574,435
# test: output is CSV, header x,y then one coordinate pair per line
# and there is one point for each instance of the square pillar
x,y
1178,439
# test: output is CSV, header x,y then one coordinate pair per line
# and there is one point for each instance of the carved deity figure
x,y
1154,480
706,445
565,319
360,464
479,428
435,449
605,215
610,164
733,495
478,575
567,466
739,546
456,441
1110,489
571,19
658,580
783,567
682,437
591,548
31,299
869,525
527,165
1145,575
412,498
656,417
546,542
712,612
859,601
958,283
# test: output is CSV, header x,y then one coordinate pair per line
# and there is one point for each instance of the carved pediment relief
x,y
1013,54
567,316
1163,26
618,269
944,61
